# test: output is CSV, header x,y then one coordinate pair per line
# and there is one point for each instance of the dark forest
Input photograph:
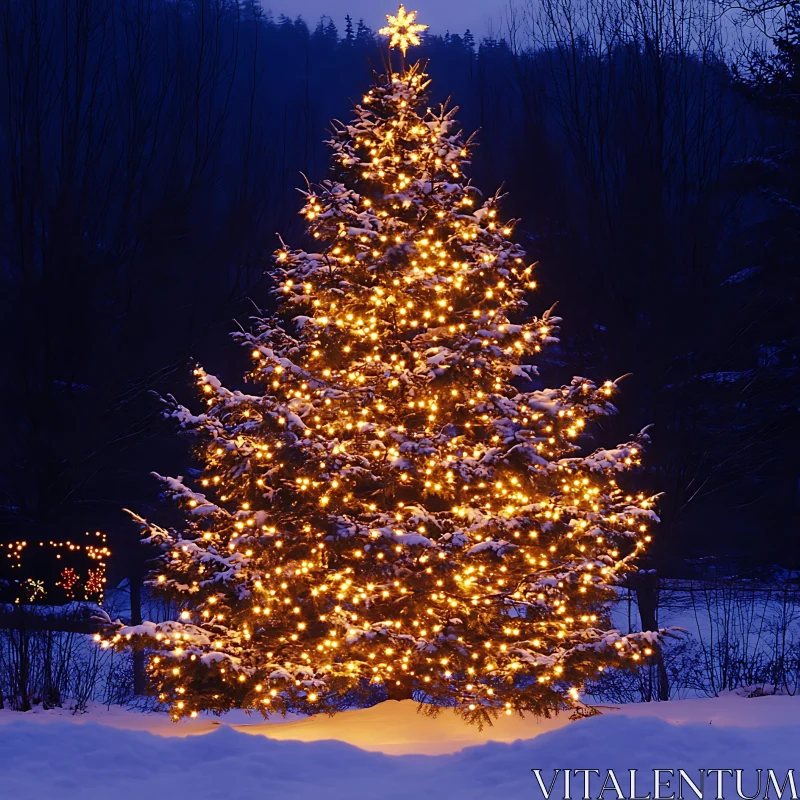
x,y
150,155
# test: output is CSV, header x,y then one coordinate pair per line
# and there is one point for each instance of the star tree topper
x,y
403,29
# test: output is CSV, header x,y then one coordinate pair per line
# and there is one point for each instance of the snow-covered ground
x,y
381,753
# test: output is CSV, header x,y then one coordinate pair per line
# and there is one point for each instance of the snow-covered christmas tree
x,y
394,507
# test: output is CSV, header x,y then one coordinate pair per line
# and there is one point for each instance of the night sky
x,y
480,16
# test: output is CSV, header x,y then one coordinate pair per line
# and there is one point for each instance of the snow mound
x,y
395,728
92,761
126,755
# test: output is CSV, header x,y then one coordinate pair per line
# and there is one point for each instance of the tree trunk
x,y
139,677
645,586
401,689
23,636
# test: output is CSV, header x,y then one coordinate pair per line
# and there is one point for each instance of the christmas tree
x,y
396,508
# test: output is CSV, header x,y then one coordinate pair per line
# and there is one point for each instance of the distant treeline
x,y
150,151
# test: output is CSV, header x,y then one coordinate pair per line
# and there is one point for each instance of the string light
x,y
79,567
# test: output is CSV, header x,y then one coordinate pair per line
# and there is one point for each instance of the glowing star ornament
x,y
402,29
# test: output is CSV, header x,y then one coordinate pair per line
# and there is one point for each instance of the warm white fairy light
x,y
84,579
